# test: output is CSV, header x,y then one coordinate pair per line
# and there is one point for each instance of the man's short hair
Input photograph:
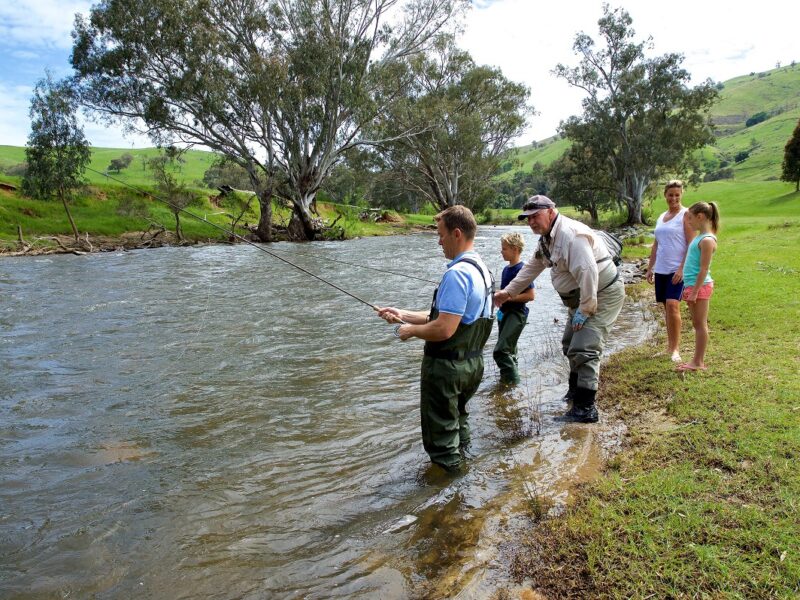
x,y
514,240
458,217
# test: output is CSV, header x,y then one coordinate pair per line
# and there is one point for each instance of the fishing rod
x,y
359,266
238,237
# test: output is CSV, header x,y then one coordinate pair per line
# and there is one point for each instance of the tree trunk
x,y
633,200
69,215
178,230
264,230
302,226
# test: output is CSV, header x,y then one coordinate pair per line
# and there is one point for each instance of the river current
x,y
210,422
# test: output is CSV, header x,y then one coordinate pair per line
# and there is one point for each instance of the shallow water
x,y
211,422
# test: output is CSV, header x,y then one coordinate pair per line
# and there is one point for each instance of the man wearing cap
x,y
587,280
455,332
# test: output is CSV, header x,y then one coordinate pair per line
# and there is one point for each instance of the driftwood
x,y
67,249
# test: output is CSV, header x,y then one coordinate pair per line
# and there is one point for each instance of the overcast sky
x,y
525,38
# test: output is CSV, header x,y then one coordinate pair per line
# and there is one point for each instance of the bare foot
x,y
690,367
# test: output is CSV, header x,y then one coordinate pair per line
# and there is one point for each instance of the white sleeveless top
x,y
671,243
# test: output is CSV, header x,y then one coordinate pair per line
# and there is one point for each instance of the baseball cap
x,y
534,205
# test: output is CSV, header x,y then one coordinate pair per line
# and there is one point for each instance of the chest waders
x,y
451,373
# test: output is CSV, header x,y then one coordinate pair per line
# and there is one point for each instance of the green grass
x,y
526,156
706,503
95,213
744,96
191,172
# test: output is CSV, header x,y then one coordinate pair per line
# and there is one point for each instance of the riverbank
x,y
112,217
703,499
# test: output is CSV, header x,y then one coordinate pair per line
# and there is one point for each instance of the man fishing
x,y
585,277
455,332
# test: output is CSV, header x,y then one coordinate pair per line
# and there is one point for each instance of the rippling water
x,y
211,422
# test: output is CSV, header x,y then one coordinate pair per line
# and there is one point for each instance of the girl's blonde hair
x,y
710,210
514,239
673,183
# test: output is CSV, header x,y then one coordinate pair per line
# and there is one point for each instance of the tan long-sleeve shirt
x,y
574,255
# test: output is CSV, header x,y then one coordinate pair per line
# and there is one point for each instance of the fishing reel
x,y
396,328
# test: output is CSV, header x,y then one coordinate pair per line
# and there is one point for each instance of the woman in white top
x,y
665,268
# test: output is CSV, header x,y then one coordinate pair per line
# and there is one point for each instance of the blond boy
x,y
513,316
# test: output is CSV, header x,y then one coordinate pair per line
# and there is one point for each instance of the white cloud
x,y
14,123
719,41
525,38
24,55
39,23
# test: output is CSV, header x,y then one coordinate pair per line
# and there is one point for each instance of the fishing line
x,y
238,237
359,266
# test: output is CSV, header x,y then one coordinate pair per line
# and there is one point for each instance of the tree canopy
x,y
57,151
445,134
791,159
582,179
281,87
639,115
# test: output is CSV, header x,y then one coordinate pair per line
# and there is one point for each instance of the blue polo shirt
x,y
462,290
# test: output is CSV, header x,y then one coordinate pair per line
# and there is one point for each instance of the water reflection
x,y
191,422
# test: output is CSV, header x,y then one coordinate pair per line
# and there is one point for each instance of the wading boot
x,y
573,384
583,408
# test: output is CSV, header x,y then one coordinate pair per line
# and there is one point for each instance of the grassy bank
x,y
99,210
705,501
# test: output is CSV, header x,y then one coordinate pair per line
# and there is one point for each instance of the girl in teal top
x,y
703,217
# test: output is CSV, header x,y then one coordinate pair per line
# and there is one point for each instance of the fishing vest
x,y
468,340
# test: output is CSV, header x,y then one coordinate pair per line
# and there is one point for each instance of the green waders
x,y
584,347
451,373
509,329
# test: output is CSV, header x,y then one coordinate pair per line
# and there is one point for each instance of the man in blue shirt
x,y
455,331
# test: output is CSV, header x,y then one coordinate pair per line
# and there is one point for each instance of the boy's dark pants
x,y
505,350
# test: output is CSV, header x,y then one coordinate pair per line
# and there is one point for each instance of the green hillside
x,y
775,92
524,157
191,172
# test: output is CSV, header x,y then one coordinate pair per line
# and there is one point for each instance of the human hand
x,y
578,319
389,314
678,276
650,276
501,297
403,332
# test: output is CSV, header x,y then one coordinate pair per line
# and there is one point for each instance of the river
x,y
210,422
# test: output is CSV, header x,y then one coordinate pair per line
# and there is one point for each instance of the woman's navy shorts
x,y
666,290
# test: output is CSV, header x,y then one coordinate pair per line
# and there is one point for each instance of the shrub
x,y
756,119
133,206
17,170
717,175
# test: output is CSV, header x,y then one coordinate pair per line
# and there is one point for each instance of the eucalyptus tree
x,y
445,135
173,192
639,113
583,180
281,87
790,169
57,151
